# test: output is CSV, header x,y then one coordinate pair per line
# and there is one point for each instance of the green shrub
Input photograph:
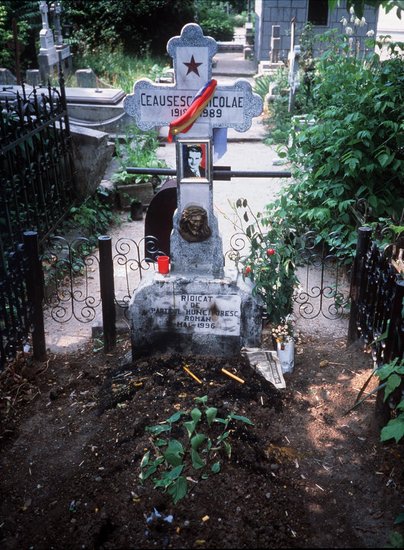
x,y
215,21
138,149
271,260
121,70
353,151
93,216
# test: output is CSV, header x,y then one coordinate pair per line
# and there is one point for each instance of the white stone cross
x,y
43,8
232,106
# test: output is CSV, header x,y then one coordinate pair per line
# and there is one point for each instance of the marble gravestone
x,y
198,307
48,55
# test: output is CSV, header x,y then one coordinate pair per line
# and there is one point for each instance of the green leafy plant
x,y
271,260
93,216
204,441
350,148
392,376
261,85
215,20
138,149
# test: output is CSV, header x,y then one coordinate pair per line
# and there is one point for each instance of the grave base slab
x,y
198,315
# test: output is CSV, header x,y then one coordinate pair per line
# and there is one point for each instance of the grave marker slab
x,y
197,307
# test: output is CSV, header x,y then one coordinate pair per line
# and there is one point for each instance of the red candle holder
x,y
163,264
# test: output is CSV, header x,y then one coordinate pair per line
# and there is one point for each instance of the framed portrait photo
x,y
195,160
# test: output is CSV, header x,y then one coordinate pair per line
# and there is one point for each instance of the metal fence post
x,y
362,246
395,337
107,292
35,292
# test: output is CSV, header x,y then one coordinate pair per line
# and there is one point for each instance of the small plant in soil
x,y
188,444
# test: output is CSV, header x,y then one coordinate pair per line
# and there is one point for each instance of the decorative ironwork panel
x,y
131,259
71,280
323,288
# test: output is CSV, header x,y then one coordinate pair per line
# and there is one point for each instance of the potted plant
x,y
138,149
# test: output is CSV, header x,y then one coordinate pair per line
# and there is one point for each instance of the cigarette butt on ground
x,y
192,374
233,376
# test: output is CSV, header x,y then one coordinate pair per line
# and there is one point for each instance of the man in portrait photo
x,y
192,162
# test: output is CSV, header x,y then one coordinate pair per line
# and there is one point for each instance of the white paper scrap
x,y
267,364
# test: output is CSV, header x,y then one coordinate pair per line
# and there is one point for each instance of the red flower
x,y
270,252
247,270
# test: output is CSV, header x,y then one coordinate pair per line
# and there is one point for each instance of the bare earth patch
x,y
304,476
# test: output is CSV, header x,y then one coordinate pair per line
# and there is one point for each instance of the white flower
x,y
344,21
351,10
370,33
349,31
362,22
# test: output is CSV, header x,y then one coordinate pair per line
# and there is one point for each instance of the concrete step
x,y
225,47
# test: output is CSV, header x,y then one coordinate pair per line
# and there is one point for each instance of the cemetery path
x,y
304,475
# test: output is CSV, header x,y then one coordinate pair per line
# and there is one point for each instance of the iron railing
x,y
36,191
377,297
36,166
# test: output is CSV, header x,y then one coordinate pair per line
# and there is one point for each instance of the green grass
x,y
121,70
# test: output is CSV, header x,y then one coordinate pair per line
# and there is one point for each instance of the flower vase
x,y
286,354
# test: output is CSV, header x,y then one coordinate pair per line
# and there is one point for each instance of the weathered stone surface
x,y
93,154
7,77
194,315
86,78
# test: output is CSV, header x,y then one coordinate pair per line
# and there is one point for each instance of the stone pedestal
x,y
199,315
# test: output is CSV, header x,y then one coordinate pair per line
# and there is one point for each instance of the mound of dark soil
x,y
303,475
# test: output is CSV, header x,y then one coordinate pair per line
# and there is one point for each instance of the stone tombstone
x,y
63,50
48,55
293,77
7,77
86,78
197,307
56,8
33,77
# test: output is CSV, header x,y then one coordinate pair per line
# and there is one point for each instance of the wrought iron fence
x,y
78,280
36,191
377,295
37,180
323,276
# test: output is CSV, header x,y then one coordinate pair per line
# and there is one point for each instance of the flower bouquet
x,y
284,331
284,339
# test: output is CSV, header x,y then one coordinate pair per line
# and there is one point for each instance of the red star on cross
x,y
192,66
